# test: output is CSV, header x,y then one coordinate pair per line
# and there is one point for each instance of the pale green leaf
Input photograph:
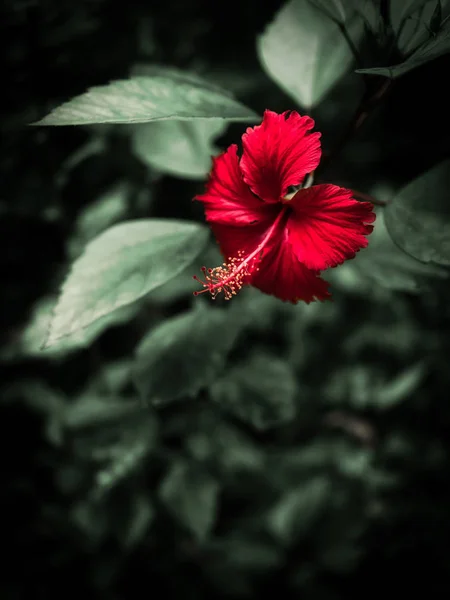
x,y
141,99
298,510
142,515
96,410
305,52
122,265
191,496
401,386
110,208
125,459
181,286
29,341
179,148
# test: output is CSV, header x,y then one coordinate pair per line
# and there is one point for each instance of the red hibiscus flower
x,y
272,239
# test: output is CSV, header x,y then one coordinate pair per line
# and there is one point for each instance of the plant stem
x,y
367,198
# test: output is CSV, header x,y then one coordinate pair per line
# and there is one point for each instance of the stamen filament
x,y
229,277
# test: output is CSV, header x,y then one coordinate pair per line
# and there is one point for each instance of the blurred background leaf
x,y
179,148
260,391
191,496
167,358
417,217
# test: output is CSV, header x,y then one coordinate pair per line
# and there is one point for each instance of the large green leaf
x,y
305,52
261,392
191,495
28,342
122,265
179,148
167,94
418,217
184,354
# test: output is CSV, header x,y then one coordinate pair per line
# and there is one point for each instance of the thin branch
x,y
368,102
368,198
350,43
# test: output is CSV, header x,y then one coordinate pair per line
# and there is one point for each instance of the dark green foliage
x,y
418,216
170,446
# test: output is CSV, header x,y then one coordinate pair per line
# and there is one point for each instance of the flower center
x,y
231,276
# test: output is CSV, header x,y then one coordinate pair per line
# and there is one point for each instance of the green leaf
x,y
109,209
112,434
246,551
305,52
181,286
421,22
95,410
124,459
143,514
369,11
335,9
231,449
402,386
362,386
122,265
437,44
167,94
28,343
260,392
179,148
383,264
299,509
401,10
418,217
111,378
191,495
184,354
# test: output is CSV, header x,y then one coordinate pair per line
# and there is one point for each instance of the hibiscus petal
x,y
237,242
279,153
276,270
227,199
232,240
281,274
327,226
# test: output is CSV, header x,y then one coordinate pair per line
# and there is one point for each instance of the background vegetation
x,y
184,448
